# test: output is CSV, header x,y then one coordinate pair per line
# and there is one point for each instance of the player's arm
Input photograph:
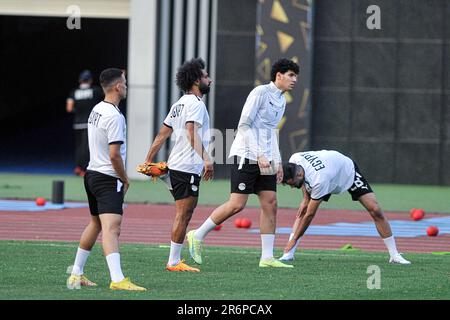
x,y
196,143
311,211
117,163
70,103
277,157
248,115
304,204
164,133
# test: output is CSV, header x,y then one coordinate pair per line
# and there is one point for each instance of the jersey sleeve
x,y
168,120
196,113
319,190
115,128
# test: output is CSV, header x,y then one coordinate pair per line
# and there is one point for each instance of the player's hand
x,y
264,166
290,245
208,171
126,186
279,173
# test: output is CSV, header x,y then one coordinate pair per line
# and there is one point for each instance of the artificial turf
x,y
37,270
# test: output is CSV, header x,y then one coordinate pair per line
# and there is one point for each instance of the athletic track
x,y
152,224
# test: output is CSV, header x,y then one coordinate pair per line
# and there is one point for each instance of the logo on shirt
x,y
241,186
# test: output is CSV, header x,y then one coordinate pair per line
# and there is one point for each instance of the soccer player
x,y
80,102
257,166
322,173
188,124
106,183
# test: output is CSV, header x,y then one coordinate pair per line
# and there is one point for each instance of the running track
x,y
152,224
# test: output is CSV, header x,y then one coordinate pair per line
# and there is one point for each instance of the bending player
x,y
320,174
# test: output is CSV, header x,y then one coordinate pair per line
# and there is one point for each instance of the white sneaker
x,y
398,259
287,257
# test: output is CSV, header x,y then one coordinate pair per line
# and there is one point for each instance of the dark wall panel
x,y
373,116
334,120
369,59
235,67
420,66
396,82
332,60
421,19
419,117
375,160
389,20
417,163
332,18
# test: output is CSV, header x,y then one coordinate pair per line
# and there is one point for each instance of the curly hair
x,y
283,65
189,72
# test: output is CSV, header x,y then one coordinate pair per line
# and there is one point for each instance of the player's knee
x,y
271,202
376,213
112,229
237,207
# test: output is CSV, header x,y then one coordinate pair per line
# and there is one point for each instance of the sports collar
x,y
273,88
117,108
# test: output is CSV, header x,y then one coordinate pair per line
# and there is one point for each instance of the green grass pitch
x,y
37,270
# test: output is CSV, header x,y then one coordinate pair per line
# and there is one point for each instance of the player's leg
x,y
242,180
87,241
110,197
195,237
370,202
185,190
111,227
184,210
234,205
268,221
111,224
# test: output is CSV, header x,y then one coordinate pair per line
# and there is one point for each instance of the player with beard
x,y
188,125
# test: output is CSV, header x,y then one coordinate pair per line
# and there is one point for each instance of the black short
x,y
183,184
105,193
360,185
248,179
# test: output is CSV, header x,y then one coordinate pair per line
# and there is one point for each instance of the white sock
x,y
292,251
115,269
80,261
205,228
267,241
390,244
175,253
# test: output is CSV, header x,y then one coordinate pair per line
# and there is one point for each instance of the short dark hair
x,y
283,65
189,72
109,76
289,171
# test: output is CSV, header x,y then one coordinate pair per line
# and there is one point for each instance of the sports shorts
x,y
248,178
360,186
183,184
104,192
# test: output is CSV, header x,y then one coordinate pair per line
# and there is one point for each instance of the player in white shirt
x,y
257,168
106,183
188,125
322,173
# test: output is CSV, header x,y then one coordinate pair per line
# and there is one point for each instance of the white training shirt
x,y
183,157
106,125
262,112
326,172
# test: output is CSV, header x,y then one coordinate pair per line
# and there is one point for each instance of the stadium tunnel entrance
x,y
41,61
